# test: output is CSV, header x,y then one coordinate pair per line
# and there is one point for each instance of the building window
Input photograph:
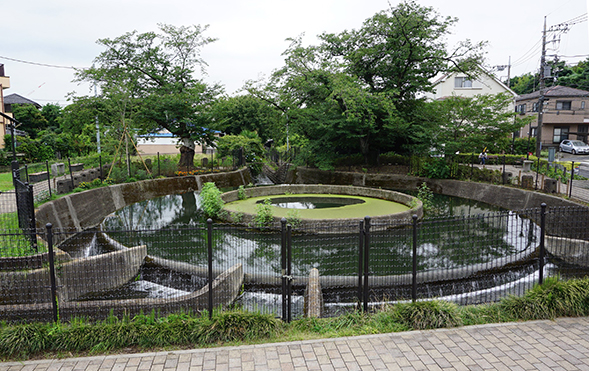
x,y
560,134
535,107
462,82
563,105
533,131
583,104
521,108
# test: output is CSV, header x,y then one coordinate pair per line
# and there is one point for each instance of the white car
x,y
573,146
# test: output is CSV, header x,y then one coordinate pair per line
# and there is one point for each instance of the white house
x,y
461,85
164,143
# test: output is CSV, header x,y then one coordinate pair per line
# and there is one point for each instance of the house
x,y
4,84
11,99
565,114
164,143
459,84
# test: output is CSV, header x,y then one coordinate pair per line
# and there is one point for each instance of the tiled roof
x,y
557,91
17,99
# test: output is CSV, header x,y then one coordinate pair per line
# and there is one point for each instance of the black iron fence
x,y
287,270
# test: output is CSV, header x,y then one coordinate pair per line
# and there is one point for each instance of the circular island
x,y
319,206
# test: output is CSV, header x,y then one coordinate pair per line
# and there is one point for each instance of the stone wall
x,y
87,209
502,196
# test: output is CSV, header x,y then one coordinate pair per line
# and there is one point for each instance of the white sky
x,y
252,33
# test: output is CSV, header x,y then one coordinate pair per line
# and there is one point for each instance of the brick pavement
x,y
537,345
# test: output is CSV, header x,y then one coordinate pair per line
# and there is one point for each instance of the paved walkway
x,y
539,345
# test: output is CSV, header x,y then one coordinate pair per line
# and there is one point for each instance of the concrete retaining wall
x,y
502,196
74,278
80,211
572,251
226,287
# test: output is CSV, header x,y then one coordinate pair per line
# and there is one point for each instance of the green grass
x,y
12,241
555,298
6,182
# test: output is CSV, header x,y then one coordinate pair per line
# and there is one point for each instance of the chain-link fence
x,y
288,270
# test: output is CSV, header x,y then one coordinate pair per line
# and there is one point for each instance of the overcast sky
x,y
251,34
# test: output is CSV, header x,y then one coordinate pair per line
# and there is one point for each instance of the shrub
x,y
264,215
554,298
293,217
422,315
425,195
241,193
436,169
210,199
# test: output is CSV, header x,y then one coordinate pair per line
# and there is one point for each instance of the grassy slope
x,y
6,181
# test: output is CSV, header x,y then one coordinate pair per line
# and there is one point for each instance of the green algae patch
x,y
368,207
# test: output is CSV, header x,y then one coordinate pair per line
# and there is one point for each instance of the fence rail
x,y
467,260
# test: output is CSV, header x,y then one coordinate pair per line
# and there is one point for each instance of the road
x,y
583,160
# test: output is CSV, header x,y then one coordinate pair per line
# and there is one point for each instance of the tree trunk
x,y
186,154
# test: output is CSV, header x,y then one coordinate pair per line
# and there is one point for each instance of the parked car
x,y
574,147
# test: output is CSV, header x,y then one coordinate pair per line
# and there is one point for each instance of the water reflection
x,y
173,228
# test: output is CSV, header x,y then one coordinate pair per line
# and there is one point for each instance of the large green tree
x,y
152,76
232,115
358,90
31,118
468,124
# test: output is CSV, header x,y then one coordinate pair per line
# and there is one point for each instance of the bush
x,y
554,298
241,195
293,217
264,215
210,199
425,195
436,169
422,315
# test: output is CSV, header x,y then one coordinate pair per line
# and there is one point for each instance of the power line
x,y
39,64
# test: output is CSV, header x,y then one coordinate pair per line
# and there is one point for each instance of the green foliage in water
x,y
426,196
210,199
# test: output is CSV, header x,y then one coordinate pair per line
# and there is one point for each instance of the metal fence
x,y
361,265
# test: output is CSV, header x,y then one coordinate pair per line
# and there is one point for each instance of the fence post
x,y
283,265
360,262
572,177
27,172
32,227
414,271
69,164
537,172
504,175
542,247
48,177
210,263
49,227
366,259
100,164
289,270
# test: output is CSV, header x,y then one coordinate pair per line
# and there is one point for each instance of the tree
x,y
358,90
524,84
472,123
31,118
232,115
52,113
577,76
151,76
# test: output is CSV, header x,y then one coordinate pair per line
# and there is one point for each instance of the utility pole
x,y
541,99
509,73
544,72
